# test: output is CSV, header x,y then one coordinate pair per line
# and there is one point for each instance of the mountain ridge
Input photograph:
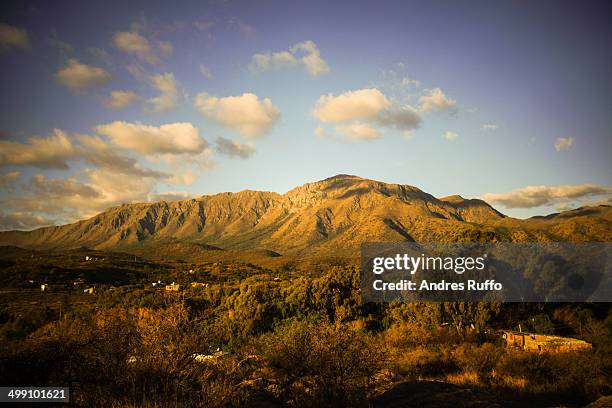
x,y
328,216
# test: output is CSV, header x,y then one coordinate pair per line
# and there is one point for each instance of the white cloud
x,y
245,113
234,148
103,155
305,53
134,43
13,37
271,61
535,196
353,105
489,126
58,188
312,58
362,106
434,100
173,138
358,131
77,76
168,92
450,136
44,152
564,143
121,99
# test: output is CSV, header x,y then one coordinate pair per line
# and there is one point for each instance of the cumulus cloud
x,y
45,152
57,188
172,138
489,126
564,143
535,196
311,58
113,174
305,54
102,155
358,131
143,49
168,92
121,99
13,37
245,113
77,76
362,106
351,105
272,60
234,148
450,136
404,118
434,100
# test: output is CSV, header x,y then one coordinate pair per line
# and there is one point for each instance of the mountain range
x,y
329,217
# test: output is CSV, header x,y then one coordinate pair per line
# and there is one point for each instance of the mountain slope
x,y
331,216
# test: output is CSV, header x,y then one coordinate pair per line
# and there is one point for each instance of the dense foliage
x,y
295,339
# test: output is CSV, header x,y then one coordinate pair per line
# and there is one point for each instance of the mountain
x,y
332,216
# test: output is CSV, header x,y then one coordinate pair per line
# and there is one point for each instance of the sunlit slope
x,y
332,216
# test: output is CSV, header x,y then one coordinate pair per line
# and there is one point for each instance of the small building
x,y
199,285
542,342
90,291
173,287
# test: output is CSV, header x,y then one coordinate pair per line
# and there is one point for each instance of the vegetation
x,y
279,337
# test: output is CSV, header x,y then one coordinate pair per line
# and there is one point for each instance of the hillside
x,y
332,216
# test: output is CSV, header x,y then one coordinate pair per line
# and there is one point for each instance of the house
x,y
199,285
173,287
90,291
542,342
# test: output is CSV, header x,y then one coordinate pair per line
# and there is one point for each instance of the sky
x,y
122,102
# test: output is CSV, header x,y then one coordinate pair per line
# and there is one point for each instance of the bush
x,y
321,364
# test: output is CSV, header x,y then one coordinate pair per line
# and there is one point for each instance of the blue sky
x,y
117,102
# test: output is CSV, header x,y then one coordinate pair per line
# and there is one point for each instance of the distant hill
x,y
329,217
